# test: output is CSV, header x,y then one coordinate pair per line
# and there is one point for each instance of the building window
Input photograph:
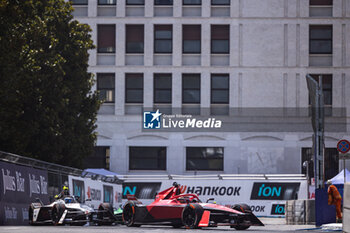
x,y
163,38
134,88
162,88
220,2
135,2
191,88
219,88
191,36
321,2
134,38
106,87
326,87
106,38
163,2
192,2
147,158
220,35
106,2
99,159
321,39
331,157
204,158
79,2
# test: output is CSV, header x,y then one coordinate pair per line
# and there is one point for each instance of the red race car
x,y
171,207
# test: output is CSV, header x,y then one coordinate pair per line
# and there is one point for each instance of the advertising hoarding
x,y
95,192
20,186
266,198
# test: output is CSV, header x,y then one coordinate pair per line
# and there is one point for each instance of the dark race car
x,y
107,215
69,211
173,208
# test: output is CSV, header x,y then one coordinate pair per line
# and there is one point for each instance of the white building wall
x,y
268,61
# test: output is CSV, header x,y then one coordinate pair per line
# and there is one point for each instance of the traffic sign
x,y
343,146
344,156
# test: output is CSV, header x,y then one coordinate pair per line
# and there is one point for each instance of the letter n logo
x,y
127,190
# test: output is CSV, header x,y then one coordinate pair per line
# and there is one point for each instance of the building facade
x,y
216,55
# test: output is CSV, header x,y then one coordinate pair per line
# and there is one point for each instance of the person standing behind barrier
x,y
334,198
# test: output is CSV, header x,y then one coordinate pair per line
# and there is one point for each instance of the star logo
x,y
156,115
152,120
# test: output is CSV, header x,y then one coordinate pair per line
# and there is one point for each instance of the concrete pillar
x,y
206,8
205,90
337,44
119,93
177,90
205,44
177,44
177,8
148,89
149,8
92,8
120,44
148,43
93,52
234,45
120,8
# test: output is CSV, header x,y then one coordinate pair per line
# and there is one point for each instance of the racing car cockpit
x,y
69,200
187,198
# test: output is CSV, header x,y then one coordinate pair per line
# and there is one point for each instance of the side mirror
x,y
210,199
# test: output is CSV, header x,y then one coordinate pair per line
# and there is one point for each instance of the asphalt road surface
x,y
144,229
271,225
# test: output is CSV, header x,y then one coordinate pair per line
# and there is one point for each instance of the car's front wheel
x,y
244,208
191,215
129,214
56,213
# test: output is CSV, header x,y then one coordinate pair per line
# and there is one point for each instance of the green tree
x,y
47,108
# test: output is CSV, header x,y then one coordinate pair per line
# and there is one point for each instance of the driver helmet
x,y
68,200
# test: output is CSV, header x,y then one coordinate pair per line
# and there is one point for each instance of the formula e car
x,y
69,211
170,207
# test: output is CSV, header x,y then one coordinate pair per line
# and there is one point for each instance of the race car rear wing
x,y
131,197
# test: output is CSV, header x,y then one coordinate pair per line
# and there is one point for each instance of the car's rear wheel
x,y
244,208
105,215
191,215
129,214
56,213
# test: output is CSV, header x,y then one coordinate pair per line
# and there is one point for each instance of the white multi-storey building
x,y
216,55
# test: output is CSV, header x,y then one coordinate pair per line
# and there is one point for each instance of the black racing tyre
x,y
177,225
240,227
78,223
105,210
244,208
191,215
57,212
129,212
30,215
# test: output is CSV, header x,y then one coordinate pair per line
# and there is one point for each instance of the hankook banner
x,y
265,198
